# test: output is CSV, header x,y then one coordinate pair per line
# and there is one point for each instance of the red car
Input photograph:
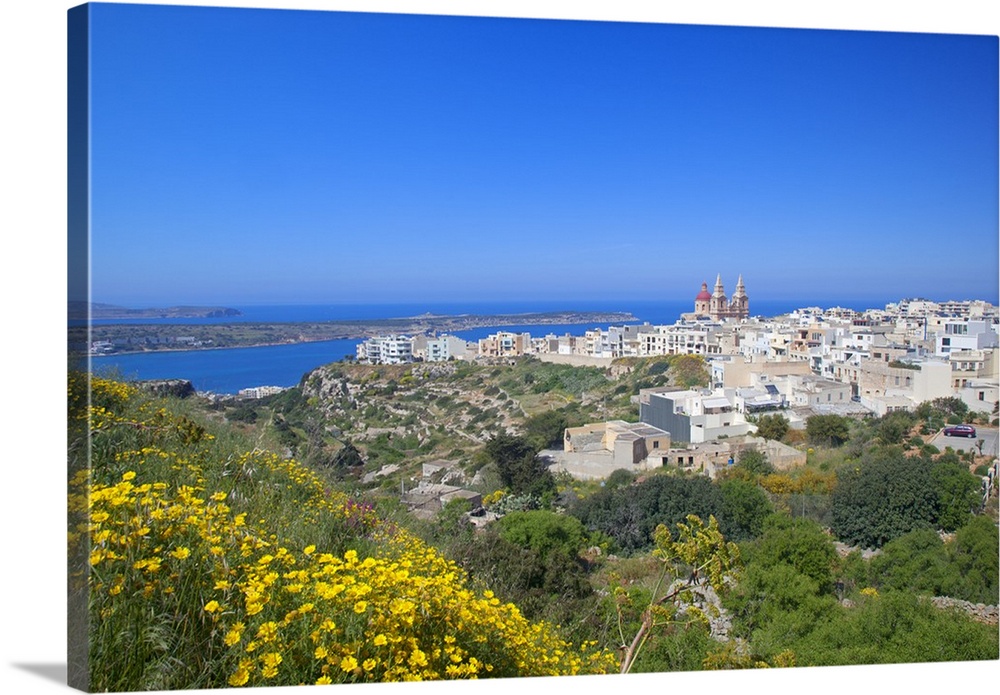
x,y
960,431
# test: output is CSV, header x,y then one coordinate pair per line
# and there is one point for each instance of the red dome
x,y
704,295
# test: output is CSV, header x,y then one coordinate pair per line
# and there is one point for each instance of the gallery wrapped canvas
x,y
388,360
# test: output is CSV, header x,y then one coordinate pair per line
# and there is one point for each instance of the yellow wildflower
x,y
240,677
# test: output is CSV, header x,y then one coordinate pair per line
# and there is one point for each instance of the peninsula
x,y
130,337
78,311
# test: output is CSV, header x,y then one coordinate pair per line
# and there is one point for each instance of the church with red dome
x,y
716,306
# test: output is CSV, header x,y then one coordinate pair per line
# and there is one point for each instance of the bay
x,y
226,371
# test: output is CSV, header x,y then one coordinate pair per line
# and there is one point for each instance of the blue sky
x,y
261,156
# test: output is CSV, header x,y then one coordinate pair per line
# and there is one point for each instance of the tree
x,y
893,427
544,532
883,497
964,568
520,469
799,543
916,561
771,600
830,430
786,587
958,493
545,430
629,515
658,367
348,457
774,426
754,462
974,554
745,507
552,587
703,556
951,407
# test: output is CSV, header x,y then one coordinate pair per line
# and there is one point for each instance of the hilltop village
x,y
827,361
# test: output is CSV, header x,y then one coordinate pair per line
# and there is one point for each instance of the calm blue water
x,y
229,370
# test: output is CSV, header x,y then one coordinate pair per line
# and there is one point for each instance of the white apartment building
x,y
439,349
681,338
755,341
958,335
615,341
260,391
387,349
912,307
972,309
810,391
693,416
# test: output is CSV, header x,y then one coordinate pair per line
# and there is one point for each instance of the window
x,y
982,395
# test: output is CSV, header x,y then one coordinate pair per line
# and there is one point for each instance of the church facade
x,y
717,307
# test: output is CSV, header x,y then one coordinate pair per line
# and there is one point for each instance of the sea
x,y
226,371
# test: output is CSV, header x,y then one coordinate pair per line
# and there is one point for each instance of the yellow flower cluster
x,y
254,604
807,481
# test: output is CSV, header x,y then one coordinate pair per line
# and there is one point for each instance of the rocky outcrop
x,y
178,388
704,599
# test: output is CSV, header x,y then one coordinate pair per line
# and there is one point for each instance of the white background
x,y
32,390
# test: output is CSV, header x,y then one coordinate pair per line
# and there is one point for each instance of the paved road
x,y
987,434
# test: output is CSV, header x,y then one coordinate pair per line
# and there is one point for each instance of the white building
x,y
387,349
966,335
260,391
439,349
681,338
693,416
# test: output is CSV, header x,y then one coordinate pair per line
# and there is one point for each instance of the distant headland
x,y
78,310
131,337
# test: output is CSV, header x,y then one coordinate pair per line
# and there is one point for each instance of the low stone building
x,y
709,458
427,499
628,442
440,471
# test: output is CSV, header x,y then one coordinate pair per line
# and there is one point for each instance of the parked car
x,y
960,431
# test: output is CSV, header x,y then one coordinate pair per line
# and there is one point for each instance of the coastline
x,y
245,335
